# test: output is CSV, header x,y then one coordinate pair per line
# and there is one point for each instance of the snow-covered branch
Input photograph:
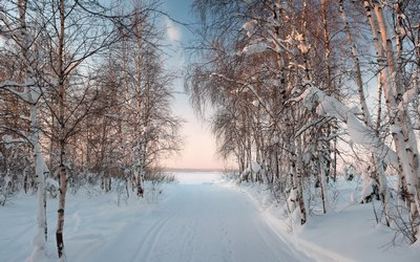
x,y
361,134
12,87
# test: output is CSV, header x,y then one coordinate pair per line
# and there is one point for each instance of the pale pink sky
x,y
199,147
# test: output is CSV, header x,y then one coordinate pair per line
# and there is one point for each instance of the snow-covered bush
x,y
349,172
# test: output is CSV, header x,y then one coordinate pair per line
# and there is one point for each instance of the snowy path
x,y
196,220
199,222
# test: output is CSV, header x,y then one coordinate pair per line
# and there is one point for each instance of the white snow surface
x,y
197,219
348,232
201,218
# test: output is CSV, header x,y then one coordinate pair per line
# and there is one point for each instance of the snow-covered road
x,y
199,221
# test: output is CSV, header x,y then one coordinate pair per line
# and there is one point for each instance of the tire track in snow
x,y
156,237
190,232
151,235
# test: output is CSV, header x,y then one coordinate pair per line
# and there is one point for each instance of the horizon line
x,y
177,169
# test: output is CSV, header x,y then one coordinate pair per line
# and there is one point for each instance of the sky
x,y
199,145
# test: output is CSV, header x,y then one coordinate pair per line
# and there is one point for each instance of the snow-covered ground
x,y
201,218
197,219
348,232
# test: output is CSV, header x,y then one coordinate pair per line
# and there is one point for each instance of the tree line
x,y
84,98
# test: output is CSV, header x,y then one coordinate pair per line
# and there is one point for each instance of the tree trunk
x,y
402,131
62,137
322,162
41,173
299,181
40,169
357,68
61,202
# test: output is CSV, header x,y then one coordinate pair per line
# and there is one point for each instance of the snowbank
x,y
347,233
92,220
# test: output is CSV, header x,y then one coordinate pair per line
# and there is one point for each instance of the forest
x,y
306,91
84,100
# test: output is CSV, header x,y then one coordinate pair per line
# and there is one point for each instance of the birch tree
x,y
28,89
396,98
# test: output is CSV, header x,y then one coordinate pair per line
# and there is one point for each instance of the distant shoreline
x,y
197,170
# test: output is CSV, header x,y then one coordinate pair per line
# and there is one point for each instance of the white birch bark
x,y
41,173
402,131
62,138
31,95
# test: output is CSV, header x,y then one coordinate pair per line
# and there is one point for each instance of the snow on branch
x,y
9,141
255,48
12,87
359,133
409,96
250,27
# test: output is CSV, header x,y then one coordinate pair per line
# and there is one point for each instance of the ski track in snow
x,y
198,220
